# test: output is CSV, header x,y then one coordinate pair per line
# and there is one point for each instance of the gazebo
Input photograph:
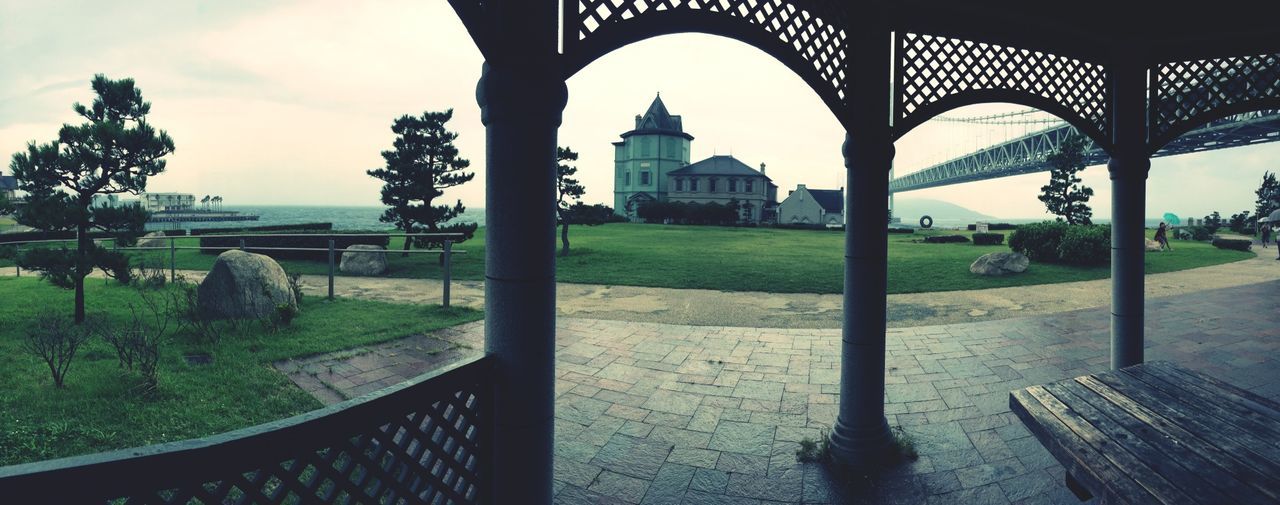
x,y
1132,78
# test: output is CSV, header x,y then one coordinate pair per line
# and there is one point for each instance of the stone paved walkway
x,y
660,413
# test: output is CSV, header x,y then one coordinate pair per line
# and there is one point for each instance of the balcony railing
x,y
426,440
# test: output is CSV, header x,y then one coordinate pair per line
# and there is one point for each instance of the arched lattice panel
x,y
1190,93
808,37
934,74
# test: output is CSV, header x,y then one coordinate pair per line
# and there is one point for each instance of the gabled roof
x,y
8,183
657,120
718,165
831,200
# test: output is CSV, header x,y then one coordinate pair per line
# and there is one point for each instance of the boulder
x,y
361,259
153,239
1152,246
1000,263
244,285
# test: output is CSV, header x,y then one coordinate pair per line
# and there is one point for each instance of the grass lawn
x,y
97,411
750,259
755,259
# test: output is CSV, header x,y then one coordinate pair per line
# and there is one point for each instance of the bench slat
x,y
1193,474
1249,398
1206,427
1192,400
1153,487
1227,456
1157,433
1070,450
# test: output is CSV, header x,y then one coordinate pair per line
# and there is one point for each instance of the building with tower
x,y
644,157
651,163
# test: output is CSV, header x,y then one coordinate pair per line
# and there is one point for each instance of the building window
x,y
628,178
679,184
748,183
693,184
644,178
711,185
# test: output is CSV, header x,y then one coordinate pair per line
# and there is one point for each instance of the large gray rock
x,y
244,285
361,259
153,239
1000,263
1153,246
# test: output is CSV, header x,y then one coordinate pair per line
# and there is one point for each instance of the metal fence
x,y
428,440
446,251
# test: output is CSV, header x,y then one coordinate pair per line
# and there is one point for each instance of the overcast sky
x,y
290,102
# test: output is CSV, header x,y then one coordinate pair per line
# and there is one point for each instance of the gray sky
x,y
290,102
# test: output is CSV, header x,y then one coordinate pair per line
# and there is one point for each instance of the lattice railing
x,y
817,40
426,441
1187,91
931,69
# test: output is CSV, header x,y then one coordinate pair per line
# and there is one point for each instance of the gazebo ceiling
x,y
1094,29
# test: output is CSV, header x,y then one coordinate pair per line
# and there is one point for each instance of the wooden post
x,y
448,262
330,268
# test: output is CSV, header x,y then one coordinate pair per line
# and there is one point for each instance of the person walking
x,y
1162,237
1266,235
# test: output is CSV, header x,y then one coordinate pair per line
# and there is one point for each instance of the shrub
x,y
55,339
189,317
995,226
902,230
1038,241
1200,233
988,238
1086,245
147,276
285,313
295,285
1232,243
149,328
8,252
218,244
945,239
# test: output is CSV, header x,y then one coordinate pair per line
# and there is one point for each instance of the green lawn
x,y
752,259
96,411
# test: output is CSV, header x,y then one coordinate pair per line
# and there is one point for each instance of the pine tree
x,y
423,163
114,152
1064,196
568,190
1268,195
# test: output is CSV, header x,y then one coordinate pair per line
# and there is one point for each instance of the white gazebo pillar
x,y
521,95
1129,163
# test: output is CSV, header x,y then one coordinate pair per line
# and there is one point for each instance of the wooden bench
x,y
1157,433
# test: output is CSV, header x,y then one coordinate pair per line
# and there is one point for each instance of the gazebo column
x,y
521,96
861,433
1128,165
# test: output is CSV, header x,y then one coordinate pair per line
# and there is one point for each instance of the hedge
x,y
310,227
1199,233
988,238
902,230
1038,241
1232,243
1086,245
945,239
28,236
995,226
218,244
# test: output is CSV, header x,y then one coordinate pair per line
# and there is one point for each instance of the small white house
x,y
813,206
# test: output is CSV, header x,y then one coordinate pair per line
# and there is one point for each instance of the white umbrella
x,y
1274,216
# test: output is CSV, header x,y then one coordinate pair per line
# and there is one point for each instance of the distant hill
x,y
910,210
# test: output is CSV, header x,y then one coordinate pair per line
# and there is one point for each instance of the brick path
x,y
655,413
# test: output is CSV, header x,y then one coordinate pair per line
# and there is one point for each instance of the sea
x,y
343,218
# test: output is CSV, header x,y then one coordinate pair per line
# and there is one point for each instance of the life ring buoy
x,y
926,222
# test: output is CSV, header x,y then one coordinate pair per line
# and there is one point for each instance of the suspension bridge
x,y
1027,153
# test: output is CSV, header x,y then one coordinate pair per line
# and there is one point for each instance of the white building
x,y
158,202
813,206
